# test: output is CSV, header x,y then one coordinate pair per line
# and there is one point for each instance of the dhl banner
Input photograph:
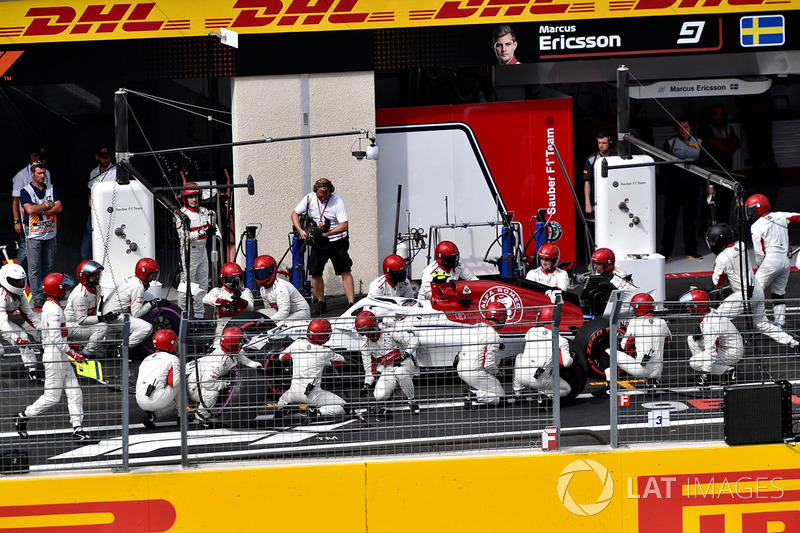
x,y
711,489
38,21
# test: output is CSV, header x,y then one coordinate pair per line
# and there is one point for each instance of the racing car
x,y
440,324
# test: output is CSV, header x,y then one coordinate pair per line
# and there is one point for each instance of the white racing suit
x,y
226,306
212,369
82,321
557,278
771,245
286,300
160,376
199,222
128,297
308,364
59,376
533,368
390,360
460,272
720,348
477,363
11,332
380,286
641,348
727,267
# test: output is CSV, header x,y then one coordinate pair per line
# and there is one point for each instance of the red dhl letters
x,y
55,20
258,13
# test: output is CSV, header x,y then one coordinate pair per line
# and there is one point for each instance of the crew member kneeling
x,y
159,379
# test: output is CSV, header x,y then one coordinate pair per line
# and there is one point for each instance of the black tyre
x,y
593,339
166,317
577,374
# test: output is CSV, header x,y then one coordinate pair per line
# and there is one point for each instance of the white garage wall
x,y
272,106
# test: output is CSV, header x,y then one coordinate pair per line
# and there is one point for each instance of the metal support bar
x,y
556,359
183,413
126,413
265,140
623,111
612,344
694,169
604,168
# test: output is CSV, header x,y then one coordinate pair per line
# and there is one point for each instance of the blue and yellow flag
x,y
767,30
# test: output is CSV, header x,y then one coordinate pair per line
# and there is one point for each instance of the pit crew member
x,y
59,374
394,280
477,361
309,358
83,322
388,358
278,294
770,233
720,345
230,299
200,228
210,371
159,379
533,368
446,267
641,348
128,297
12,298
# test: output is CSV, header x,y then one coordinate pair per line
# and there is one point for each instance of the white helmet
x,y
12,278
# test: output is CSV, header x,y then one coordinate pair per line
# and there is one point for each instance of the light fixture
x,y
370,151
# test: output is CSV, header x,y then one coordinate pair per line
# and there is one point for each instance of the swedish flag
x,y
767,30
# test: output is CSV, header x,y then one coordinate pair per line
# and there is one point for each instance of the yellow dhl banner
x,y
26,21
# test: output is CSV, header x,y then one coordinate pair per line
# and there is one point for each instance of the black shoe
x,y
318,308
704,380
78,434
730,376
469,397
21,425
312,412
149,420
694,255
414,405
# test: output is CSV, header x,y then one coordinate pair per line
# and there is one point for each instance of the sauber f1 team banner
x,y
54,21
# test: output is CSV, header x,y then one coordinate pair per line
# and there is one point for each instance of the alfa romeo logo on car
x,y
506,296
585,508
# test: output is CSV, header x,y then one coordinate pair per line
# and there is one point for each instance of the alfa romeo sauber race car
x,y
441,325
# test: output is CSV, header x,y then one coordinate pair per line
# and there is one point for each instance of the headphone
x,y
324,182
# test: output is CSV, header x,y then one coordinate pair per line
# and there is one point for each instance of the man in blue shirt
x,y
40,205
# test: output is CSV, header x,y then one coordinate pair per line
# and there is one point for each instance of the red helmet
x,y
757,206
165,340
232,340
146,270
56,285
265,270
447,255
367,325
496,312
189,192
604,257
231,276
394,267
549,251
544,317
696,301
89,273
319,331
642,304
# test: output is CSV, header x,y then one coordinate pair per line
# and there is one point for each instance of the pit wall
x,y
701,489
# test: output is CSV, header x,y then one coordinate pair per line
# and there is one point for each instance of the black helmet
x,y
718,237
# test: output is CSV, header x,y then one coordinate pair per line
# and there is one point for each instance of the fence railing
x,y
446,396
